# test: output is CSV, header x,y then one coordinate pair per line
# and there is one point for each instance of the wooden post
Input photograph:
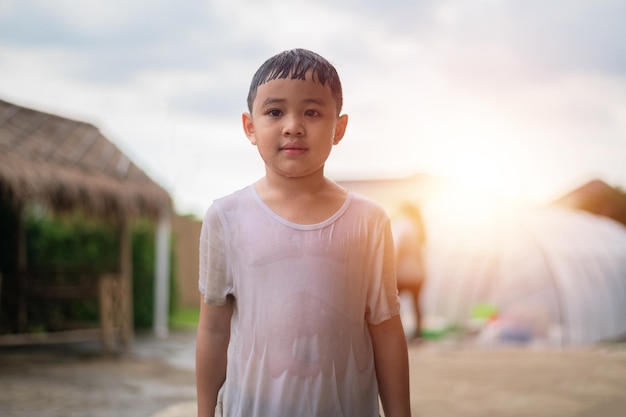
x,y
107,311
21,269
162,274
126,284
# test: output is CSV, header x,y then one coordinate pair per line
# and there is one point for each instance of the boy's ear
x,y
340,128
248,127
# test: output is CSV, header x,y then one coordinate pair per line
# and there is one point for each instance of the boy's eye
x,y
312,113
274,113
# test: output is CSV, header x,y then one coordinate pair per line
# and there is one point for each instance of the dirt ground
x,y
447,380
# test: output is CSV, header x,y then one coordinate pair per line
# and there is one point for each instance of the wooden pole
x,y
107,313
162,274
126,284
21,269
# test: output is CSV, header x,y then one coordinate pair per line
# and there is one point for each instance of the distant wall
x,y
187,237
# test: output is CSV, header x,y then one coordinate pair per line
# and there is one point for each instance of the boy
x,y
299,314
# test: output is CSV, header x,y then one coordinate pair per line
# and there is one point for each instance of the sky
x,y
525,98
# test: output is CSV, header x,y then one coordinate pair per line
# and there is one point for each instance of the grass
x,y
184,318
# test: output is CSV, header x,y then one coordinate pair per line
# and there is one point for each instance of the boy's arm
x,y
392,367
211,348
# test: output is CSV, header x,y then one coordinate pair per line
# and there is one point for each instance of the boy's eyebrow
x,y
272,100
318,101
275,100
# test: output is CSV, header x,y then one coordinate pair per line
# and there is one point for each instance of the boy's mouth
x,y
293,149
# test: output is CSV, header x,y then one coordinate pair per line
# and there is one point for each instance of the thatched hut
x,y
69,166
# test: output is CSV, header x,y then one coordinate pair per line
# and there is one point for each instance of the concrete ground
x,y
448,379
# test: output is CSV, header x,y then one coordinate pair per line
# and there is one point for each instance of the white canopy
x,y
560,271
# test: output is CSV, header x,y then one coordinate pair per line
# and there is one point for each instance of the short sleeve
x,y
215,280
383,301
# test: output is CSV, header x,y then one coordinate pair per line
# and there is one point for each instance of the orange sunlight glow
x,y
489,170
483,151
461,205
462,216
482,186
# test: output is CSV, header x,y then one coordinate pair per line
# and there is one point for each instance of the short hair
x,y
296,63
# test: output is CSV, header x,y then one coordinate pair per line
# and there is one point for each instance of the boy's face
x,y
294,125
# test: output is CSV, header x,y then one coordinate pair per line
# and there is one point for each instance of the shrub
x,y
73,249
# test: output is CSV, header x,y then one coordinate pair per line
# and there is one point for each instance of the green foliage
x,y
62,243
185,318
71,249
66,251
143,274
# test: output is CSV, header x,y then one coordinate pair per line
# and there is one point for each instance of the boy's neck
x,y
294,187
301,200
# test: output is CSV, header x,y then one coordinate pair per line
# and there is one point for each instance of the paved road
x,y
447,380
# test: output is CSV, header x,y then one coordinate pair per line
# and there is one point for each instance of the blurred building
x,y
68,166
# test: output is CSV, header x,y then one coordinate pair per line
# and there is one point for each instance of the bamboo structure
x,y
70,166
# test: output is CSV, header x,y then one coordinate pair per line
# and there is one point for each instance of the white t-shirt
x,y
304,296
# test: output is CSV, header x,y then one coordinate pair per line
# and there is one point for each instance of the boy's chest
x,y
304,212
282,246
306,208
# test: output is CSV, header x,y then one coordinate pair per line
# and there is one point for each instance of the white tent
x,y
561,272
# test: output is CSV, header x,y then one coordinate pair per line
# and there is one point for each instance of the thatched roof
x,y
70,165
599,198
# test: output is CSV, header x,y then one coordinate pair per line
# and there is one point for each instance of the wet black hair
x,y
296,63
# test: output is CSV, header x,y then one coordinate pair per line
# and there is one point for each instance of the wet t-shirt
x,y
304,296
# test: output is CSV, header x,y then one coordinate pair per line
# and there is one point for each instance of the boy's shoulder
x,y
236,196
229,202
362,203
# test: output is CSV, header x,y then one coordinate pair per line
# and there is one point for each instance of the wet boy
x,y
299,313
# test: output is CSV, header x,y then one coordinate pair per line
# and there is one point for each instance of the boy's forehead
x,y
286,87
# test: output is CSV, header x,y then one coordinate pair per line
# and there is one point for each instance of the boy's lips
x,y
293,149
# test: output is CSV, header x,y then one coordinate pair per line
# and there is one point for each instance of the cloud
x,y
429,85
112,41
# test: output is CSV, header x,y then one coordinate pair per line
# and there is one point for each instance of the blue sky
x,y
523,98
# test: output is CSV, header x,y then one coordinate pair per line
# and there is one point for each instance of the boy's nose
x,y
293,126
